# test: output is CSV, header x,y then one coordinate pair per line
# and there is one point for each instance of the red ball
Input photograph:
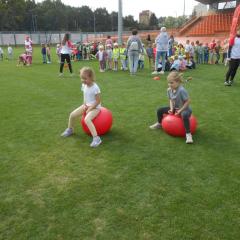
x,y
102,122
173,125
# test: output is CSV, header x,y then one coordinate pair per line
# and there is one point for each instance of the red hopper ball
x,y
102,122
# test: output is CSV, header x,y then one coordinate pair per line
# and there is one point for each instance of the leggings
x,y
233,66
186,114
102,65
78,112
67,57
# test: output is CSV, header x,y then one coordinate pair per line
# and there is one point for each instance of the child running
x,y
91,106
179,104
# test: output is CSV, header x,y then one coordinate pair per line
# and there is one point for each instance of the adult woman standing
x,y
162,49
134,47
65,52
233,58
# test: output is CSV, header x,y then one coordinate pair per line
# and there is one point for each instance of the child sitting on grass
x,y
23,59
179,104
91,106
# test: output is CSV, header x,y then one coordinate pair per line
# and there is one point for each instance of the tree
x,y
85,19
12,16
153,23
129,22
114,21
102,20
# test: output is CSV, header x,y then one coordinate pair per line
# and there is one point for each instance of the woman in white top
x,y
66,50
233,58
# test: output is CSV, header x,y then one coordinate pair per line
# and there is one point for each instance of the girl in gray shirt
x,y
179,104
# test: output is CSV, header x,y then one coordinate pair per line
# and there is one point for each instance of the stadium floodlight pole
x,y
120,22
94,21
184,4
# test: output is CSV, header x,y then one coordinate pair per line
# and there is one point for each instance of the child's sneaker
x,y
162,72
226,83
155,73
96,142
60,74
68,132
156,125
189,138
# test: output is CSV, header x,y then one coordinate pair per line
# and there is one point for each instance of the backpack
x,y
133,46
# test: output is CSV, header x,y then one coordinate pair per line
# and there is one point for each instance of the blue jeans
x,y
133,61
206,57
200,58
170,52
44,58
162,55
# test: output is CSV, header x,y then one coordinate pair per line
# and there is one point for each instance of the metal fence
x,y
18,38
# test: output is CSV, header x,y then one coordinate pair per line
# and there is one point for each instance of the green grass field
x,y
139,184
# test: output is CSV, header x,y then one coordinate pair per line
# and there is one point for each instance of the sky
x,y
134,7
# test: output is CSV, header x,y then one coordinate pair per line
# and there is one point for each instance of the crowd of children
x,y
112,56
9,53
181,57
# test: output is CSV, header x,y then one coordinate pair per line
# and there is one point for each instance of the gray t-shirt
x,y
178,97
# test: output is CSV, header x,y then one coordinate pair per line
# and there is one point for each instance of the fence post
x,y
15,40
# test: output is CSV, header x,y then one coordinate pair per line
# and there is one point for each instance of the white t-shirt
x,y
235,53
89,94
28,45
100,56
188,48
10,50
66,49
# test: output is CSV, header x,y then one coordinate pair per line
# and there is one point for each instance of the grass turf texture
x,y
139,184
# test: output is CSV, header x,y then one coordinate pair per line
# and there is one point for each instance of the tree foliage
x,y
53,15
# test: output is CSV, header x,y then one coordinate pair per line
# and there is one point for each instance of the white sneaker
x,y
156,125
67,133
60,74
189,139
96,142
155,73
162,72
